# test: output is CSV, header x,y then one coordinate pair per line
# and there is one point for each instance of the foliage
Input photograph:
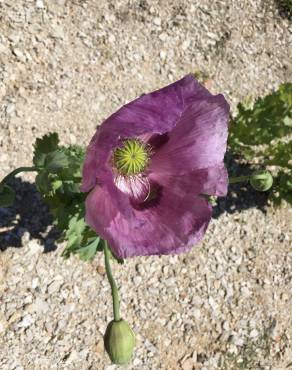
x,y
7,196
59,180
250,354
285,8
263,131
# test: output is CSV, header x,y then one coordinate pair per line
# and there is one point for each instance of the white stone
x,y
55,286
157,21
40,4
19,54
10,108
254,333
40,306
26,321
35,283
162,54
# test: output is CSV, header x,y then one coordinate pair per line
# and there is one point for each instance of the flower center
x,y
132,157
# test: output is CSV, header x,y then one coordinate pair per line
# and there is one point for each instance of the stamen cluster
x,y
132,157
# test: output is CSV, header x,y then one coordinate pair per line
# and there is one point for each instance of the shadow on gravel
x,y
284,8
28,214
240,196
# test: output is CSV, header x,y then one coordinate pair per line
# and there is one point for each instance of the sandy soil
x,y
65,66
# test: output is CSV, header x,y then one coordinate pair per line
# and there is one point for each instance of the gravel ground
x,y
65,66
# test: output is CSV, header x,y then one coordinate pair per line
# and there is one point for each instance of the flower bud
x,y
119,341
261,180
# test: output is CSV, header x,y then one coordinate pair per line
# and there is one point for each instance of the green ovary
x,y
131,158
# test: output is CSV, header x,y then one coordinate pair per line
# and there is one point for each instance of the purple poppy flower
x,y
148,166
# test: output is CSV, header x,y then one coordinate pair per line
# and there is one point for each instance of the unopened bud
x,y
119,341
261,180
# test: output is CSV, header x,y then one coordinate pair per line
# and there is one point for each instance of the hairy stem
x,y
15,172
235,180
115,294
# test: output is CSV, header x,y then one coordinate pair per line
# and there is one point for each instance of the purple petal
x,y
209,181
174,225
153,113
198,140
161,211
101,209
89,178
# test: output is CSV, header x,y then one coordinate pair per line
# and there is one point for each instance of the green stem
x,y
235,180
115,293
15,172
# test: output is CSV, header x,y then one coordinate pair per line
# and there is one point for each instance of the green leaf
x,y
56,185
88,252
56,161
43,182
81,240
74,235
70,187
287,121
263,131
268,119
76,226
283,188
7,196
59,180
280,154
47,144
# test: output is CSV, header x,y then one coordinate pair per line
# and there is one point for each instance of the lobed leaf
x,y
263,131
47,144
59,180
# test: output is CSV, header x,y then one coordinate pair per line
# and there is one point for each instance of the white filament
x,y
136,186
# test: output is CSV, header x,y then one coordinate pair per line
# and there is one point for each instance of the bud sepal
x,y
261,180
119,342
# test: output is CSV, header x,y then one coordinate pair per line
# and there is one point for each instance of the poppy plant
x,y
149,171
150,165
